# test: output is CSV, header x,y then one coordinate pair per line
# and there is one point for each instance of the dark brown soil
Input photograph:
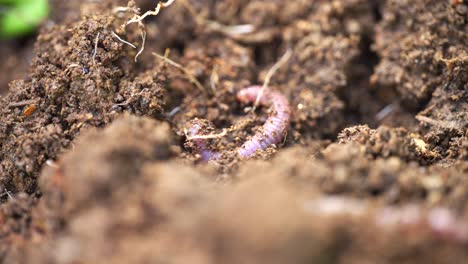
x,y
94,167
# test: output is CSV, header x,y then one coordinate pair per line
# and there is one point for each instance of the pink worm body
x,y
275,128
273,131
201,145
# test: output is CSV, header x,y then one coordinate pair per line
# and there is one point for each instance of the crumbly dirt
x,y
95,166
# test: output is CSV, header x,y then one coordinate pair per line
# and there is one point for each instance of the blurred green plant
x,y
21,17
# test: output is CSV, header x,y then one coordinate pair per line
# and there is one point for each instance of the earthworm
x,y
272,132
201,144
276,126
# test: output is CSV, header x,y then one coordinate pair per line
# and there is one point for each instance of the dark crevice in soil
x,y
376,8
178,46
359,87
267,54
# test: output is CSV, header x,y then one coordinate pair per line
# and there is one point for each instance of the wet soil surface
x,y
96,165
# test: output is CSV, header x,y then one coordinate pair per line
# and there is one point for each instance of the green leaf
x,y
21,17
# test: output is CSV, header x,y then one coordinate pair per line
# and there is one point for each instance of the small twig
x,y
71,66
214,78
122,40
230,30
174,111
22,103
96,47
286,56
185,71
167,53
122,104
7,193
120,9
428,120
384,112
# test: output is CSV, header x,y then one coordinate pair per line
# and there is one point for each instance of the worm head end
x,y
249,94
243,96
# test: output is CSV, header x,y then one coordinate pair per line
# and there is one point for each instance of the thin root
x,y
22,103
96,47
122,40
441,123
138,19
384,112
71,66
286,56
214,78
220,135
185,71
121,9
228,30
143,40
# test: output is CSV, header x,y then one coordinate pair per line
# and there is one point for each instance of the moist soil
x,y
95,165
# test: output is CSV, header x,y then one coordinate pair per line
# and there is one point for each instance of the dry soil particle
x,y
458,150
169,212
224,67
386,142
15,219
413,39
187,20
325,40
16,54
111,177
350,169
100,170
15,58
445,119
422,45
80,77
327,44
116,198
109,158
448,109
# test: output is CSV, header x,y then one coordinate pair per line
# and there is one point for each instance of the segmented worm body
x,y
201,144
273,131
275,128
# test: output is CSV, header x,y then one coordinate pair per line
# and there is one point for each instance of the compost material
x,y
100,163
